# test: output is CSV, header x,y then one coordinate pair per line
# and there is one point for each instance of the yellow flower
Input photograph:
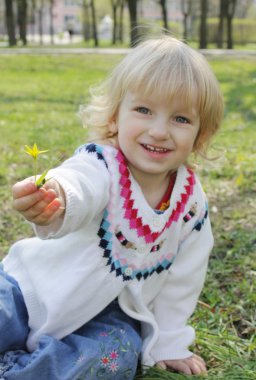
x,y
34,151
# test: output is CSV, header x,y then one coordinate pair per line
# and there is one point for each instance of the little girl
x,y
123,231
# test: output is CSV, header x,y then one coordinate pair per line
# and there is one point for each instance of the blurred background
x,y
86,23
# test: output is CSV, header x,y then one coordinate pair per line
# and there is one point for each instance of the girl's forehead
x,y
164,84
165,95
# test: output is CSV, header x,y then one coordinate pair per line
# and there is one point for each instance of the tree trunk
x,y
230,14
229,33
94,24
40,21
203,24
185,27
22,20
33,17
164,13
10,24
51,21
121,17
117,32
132,6
86,21
186,6
114,14
222,17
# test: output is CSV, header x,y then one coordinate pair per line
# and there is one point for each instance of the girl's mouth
x,y
155,149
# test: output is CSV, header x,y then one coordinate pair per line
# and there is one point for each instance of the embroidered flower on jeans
x,y
103,333
105,361
113,367
113,355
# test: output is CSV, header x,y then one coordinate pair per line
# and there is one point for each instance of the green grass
x,y
40,96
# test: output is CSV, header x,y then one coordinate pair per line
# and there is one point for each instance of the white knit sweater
x,y
111,244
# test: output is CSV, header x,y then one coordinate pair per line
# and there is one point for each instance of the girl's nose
x,y
160,130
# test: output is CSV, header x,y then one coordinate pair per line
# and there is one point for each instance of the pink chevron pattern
x,y
131,213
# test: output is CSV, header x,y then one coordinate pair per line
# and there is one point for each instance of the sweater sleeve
x,y
178,298
85,181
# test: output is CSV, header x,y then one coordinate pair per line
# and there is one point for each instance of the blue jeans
x,y
107,347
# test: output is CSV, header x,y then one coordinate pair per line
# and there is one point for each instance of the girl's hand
x,y
194,365
40,206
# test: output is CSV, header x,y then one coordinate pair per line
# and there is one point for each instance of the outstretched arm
x,y
39,206
77,191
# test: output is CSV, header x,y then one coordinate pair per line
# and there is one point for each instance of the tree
x,y
117,5
203,24
186,6
94,24
40,20
22,20
89,19
33,15
222,16
132,6
86,20
10,24
121,16
114,5
231,7
51,6
226,14
164,13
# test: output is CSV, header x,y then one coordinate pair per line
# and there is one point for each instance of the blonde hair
x,y
165,67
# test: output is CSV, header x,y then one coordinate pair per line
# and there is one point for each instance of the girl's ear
x,y
112,126
112,133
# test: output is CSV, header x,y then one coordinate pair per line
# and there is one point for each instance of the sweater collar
x,y
183,189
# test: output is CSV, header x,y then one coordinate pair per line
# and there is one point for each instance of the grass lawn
x,y
40,96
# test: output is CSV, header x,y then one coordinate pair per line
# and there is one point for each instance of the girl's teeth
x,y
155,149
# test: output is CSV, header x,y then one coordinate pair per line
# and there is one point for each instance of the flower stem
x,y
35,164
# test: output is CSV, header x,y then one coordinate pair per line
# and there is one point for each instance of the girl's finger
x,y
52,211
196,364
39,207
179,365
27,201
24,188
199,358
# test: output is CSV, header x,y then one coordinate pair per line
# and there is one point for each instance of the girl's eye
x,y
143,110
182,119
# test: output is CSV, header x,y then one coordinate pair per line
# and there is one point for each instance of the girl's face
x,y
156,137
